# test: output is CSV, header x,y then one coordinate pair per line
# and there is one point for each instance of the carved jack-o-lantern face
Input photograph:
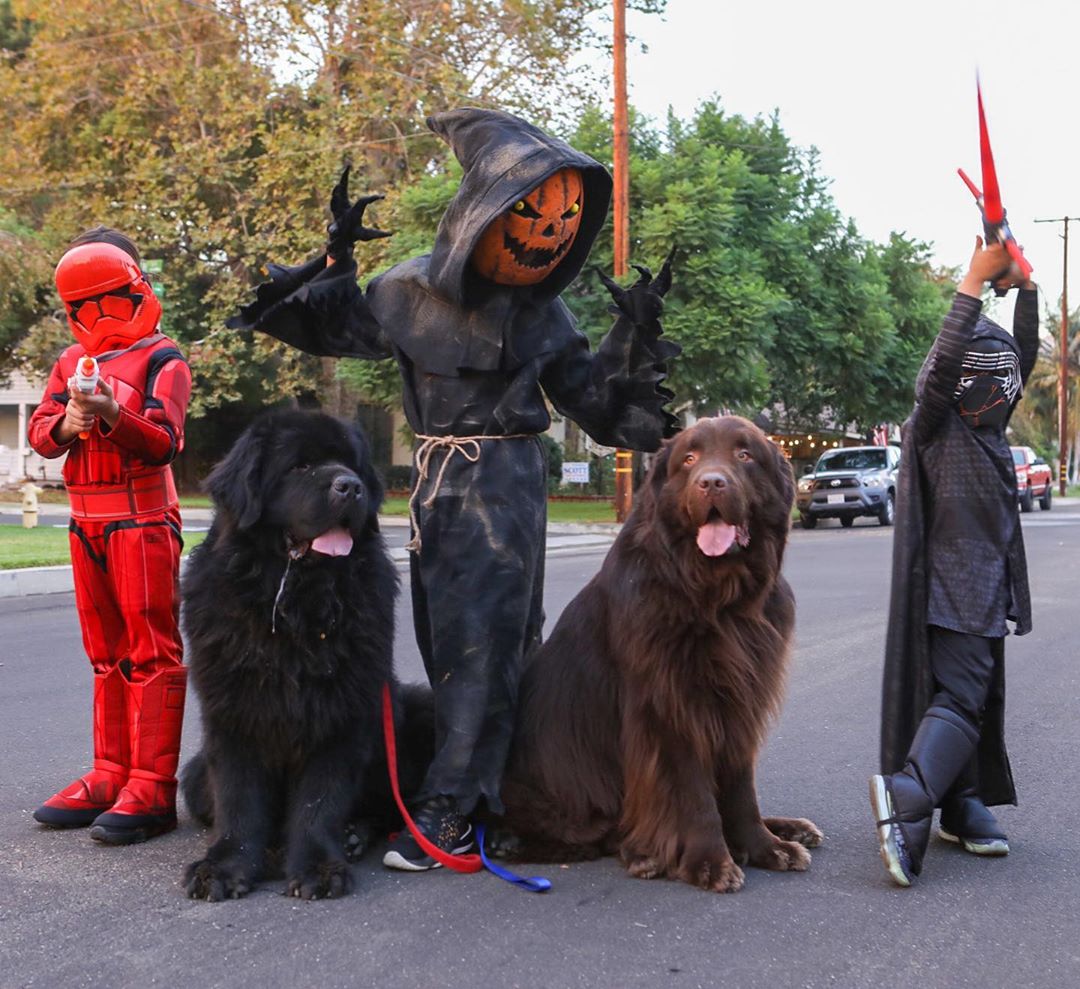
x,y
525,244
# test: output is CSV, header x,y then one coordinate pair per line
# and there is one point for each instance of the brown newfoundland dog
x,y
641,717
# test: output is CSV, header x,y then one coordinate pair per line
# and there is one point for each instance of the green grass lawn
x,y
46,546
558,510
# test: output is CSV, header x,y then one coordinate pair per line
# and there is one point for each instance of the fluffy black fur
x,y
289,649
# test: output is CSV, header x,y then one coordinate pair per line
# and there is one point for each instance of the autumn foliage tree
x,y
212,133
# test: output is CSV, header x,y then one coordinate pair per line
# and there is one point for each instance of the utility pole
x,y
1063,358
624,459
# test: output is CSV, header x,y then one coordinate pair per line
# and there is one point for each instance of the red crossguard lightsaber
x,y
989,200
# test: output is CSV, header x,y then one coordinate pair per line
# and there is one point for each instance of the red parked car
x,y
1034,479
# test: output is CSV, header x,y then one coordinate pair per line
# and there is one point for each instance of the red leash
x,y
459,863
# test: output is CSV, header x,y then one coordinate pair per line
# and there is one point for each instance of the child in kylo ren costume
x,y
125,535
958,573
480,335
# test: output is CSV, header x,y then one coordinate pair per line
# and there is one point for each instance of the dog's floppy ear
x,y
374,485
649,492
658,472
785,478
367,473
235,483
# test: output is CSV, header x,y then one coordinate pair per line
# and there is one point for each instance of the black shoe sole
x,y
139,830
990,847
56,817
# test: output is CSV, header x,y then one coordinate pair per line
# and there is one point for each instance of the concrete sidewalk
x,y
563,539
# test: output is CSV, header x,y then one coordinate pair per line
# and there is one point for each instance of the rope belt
x,y
467,446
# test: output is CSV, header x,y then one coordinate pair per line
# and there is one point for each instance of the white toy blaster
x,y
87,376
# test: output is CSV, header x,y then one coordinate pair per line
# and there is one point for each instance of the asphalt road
x,y
76,914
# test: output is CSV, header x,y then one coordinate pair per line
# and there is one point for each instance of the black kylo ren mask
x,y
989,383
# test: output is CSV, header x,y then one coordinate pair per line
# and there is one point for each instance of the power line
x,y
213,9
150,53
83,39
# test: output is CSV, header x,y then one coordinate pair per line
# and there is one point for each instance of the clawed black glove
x,y
643,301
348,223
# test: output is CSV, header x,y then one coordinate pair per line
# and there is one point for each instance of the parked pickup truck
x,y
1034,479
848,482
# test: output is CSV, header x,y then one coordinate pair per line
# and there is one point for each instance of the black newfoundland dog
x,y
641,718
289,618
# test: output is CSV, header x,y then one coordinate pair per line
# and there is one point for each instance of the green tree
x,y
778,302
918,297
25,272
15,33
1036,420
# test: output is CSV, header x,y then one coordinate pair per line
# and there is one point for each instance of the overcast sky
x,y
886,92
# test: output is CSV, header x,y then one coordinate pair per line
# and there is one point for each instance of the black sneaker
x,y
442,824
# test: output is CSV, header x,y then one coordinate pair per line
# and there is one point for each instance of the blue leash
x,y
534,884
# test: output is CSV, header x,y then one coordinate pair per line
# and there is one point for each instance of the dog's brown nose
x,y
713,481
347,486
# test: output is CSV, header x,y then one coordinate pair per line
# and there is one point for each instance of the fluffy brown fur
x,y
641,718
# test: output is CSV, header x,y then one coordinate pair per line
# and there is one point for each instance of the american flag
x,y
881,435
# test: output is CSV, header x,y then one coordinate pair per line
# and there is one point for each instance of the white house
x,y
18,399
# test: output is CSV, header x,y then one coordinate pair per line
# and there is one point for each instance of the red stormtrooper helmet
x,y
110,304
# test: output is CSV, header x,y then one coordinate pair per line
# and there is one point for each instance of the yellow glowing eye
x,y
575,209
519,206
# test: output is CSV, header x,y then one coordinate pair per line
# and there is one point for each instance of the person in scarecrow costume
x,y
959,573
124,534
480,336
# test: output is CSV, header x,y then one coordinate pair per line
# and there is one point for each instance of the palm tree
x,y
1036,420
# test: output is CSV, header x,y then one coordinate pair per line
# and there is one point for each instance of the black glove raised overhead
x,y
347,226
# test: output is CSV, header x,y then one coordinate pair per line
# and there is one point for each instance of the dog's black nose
x,y
713,481
347,486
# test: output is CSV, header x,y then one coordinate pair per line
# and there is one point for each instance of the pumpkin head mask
x,y
523,245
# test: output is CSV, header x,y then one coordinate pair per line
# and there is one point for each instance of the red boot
x,y
146,805
79,804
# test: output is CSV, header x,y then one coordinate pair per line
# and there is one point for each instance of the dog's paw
x,y
328,881
215,881
798,829
718,873
644,867
358,839
781,856
502,843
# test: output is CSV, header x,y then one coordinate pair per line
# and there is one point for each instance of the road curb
x,y
563,540
36,580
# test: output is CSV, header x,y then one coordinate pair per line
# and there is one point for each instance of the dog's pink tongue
x,y
715,538
333,542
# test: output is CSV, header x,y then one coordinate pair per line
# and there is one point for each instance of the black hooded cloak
x,y
476,359
958,551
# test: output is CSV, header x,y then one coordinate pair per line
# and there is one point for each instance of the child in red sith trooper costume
x,y
125,535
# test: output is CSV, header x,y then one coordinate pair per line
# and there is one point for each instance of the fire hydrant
x,y
30,492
